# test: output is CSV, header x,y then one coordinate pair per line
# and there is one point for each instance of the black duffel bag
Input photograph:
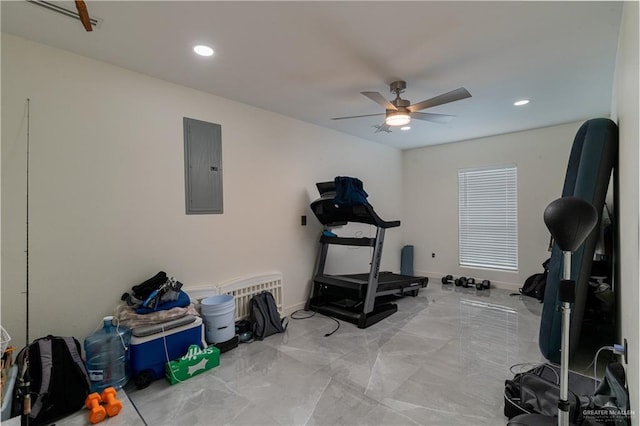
x,y
591,402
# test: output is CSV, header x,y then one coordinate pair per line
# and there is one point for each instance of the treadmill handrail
x,y
329,213
348,241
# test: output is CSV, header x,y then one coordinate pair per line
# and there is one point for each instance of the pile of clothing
x,y
157,293
164,324
154,301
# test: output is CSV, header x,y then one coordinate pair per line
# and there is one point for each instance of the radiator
x,y
242,290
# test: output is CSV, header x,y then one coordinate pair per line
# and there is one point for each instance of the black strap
x,y
46,363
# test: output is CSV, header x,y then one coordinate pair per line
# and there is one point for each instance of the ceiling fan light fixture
x,y
397,119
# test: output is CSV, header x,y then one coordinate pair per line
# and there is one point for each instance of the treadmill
x,y
362,299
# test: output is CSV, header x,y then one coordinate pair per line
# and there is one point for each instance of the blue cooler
x,y
148,355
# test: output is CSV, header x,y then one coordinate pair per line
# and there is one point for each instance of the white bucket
x,y
218,313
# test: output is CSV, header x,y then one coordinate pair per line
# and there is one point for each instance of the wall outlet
x,y
433,255
621,350
303,220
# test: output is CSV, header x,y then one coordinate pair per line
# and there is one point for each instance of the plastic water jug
x,y
107,352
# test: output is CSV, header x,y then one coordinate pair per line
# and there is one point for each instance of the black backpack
x,y
264,316
535,285
58,379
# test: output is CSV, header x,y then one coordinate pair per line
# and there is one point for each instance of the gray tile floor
x,y
440,360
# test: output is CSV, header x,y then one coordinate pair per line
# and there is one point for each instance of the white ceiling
x,y
310,60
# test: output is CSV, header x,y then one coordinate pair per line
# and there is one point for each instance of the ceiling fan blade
x,y
381,100
357,116
83,13
435,118
445,98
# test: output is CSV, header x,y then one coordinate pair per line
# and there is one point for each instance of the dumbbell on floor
x,y
111,403
479,285
470,282
447,279
466,282
97,413
461,281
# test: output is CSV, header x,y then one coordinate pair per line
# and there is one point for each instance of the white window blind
x,y
488,217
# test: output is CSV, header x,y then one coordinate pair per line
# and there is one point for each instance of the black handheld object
x,y
570,221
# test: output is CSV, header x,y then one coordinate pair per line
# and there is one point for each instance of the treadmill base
x,y
358,318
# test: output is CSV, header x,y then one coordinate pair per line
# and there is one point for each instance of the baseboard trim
x,y
291,309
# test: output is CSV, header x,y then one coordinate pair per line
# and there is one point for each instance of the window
x,y
488,217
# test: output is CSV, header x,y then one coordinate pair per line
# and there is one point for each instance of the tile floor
x,y
440,360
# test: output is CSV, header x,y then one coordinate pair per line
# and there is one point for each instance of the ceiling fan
x,y
399,112
81,13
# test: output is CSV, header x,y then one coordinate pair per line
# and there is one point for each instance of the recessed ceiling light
x,y
405,128
203,50
521,102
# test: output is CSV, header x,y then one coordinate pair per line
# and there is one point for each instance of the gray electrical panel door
x,y
203,166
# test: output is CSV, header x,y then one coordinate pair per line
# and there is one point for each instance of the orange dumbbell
x,y
97,413
111,403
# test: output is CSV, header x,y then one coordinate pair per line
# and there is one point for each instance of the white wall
x,y
625,113
107,189
431,197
